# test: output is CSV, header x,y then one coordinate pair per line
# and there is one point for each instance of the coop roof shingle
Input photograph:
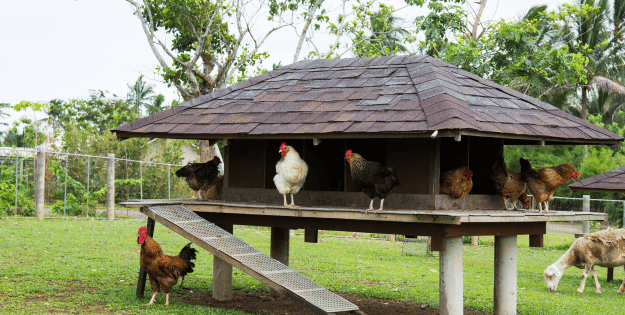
x,y
611,181
359,96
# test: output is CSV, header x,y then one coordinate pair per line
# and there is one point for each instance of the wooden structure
x,y
387,109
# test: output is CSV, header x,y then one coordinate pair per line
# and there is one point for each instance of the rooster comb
x,y
283,145
143,230
348,152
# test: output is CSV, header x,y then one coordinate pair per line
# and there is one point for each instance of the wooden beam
x,y
435,166
311,236
222,273
279,250
537,240
437,244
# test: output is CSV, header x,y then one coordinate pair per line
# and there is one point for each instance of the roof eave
x,y
521,139
616,191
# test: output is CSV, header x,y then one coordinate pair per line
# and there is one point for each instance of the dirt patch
x,y
265,304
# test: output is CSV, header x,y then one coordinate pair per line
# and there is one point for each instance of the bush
x,y
25,205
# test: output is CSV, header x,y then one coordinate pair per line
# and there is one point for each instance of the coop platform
x,y
237,253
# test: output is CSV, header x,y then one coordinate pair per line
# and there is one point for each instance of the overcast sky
x,y
63,48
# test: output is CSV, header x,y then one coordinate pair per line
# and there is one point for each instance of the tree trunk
x,y
585,102
207,151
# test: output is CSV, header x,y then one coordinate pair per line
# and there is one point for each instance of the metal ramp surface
x,y
239,254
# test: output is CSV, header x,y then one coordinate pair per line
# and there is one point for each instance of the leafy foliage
x,y
25,193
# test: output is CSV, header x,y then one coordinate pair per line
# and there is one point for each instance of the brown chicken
x,y
509,185
200,176
163,271
457,183
214,192
375,179
543,183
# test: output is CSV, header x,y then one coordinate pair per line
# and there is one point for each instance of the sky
x,y
60,49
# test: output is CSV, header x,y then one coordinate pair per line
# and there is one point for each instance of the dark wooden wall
x,y
252,165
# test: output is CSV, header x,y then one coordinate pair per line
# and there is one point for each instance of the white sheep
x,y
604,248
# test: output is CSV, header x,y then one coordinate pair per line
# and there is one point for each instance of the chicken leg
x,y
381,206
167,299
152,300
292,202
285,203
370,206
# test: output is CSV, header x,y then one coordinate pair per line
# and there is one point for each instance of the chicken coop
x,y
415,114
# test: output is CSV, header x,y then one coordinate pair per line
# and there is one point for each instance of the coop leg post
x,y
505,291
142,274
279,249
39,182
450,279
222,274
110,187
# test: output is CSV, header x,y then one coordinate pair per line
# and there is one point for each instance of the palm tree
x,y
386,36
140,94
605,48
156,106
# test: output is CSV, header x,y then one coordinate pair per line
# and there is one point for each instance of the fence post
x,y
141,178
88,180
65,189
16,160
168,181
110,186
586,208
623,214
40,181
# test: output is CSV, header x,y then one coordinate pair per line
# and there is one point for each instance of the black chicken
x,y
375,179
200,176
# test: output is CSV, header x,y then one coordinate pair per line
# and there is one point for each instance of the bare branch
x,y
148,29
310,15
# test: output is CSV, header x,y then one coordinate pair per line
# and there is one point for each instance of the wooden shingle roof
x,y
367,97
611,181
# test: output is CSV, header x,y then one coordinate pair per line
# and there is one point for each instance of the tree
x,y
156,106
3,114
100,112
140,94
386,35
599,38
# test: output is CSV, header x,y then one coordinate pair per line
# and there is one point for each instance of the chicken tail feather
x,y
187,254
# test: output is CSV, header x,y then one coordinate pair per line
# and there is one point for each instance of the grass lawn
x,y
91,266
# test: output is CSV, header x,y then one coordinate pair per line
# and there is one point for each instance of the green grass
x,y
91,266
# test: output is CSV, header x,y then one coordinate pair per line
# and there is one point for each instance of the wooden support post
x,y
222,273
537,240
450,278
143,274
505,291
279,249
40,176
110,187
311,236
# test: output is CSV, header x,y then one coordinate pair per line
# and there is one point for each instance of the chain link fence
x,y
76,184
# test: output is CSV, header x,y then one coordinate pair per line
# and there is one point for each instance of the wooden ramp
x,y
239,254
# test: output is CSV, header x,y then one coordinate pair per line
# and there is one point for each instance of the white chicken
x,y
291,173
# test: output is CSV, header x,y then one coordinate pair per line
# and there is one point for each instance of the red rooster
x,y
163,271
457,183
200,176
509,185
543,183
375,179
